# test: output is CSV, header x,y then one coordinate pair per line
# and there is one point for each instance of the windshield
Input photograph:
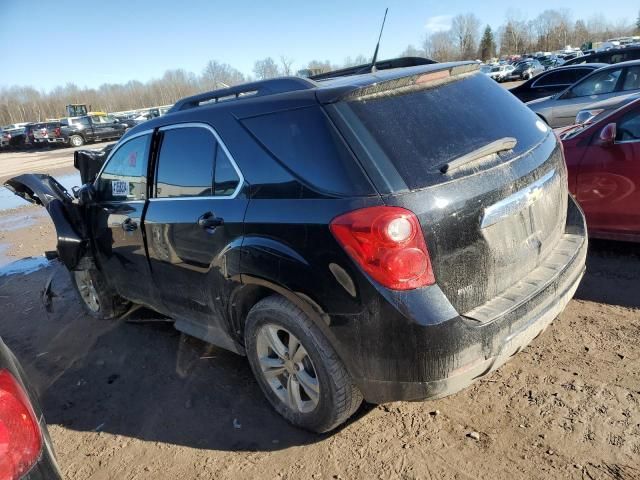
x,y
420,131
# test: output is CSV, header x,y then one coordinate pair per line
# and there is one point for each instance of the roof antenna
x,y
375,54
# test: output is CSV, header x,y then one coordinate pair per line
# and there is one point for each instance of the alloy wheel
x,y
87,289
287,368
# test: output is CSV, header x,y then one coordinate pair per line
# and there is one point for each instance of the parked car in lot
x,y
25,446
525,70
76,131
603,159
352,237
615,55
561,109
501,73
553,81
42,130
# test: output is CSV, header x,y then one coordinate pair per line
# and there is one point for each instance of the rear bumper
x,y
441,359
57,140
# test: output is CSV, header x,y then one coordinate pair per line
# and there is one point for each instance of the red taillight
x,y
388,244
57,131
20,438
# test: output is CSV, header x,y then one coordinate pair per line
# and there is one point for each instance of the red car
x,y
603,159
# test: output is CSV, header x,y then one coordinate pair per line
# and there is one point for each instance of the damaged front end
x,y
90,162
66,214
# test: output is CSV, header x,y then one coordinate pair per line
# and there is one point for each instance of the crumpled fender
x,y
44,190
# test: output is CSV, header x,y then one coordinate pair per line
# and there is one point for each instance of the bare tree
x,y
439,46
465,29
286,63
216,75
265,69
412,51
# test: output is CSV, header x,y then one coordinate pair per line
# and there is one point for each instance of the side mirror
x,y
86,194
607,136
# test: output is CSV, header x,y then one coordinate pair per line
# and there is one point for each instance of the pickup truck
x,y
76,131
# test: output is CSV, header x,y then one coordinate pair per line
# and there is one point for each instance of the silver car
x,y
615,80
598,110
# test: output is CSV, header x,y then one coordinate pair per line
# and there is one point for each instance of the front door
x,y
118,220
609,180
196,214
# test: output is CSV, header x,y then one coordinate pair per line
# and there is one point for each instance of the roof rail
x,y
399,62
253,89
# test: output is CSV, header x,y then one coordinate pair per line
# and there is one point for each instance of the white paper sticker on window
x,y
119,188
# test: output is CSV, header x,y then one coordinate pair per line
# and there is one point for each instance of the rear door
x,y
196,214
117,219
608,187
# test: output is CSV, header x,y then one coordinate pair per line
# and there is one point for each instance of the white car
x,y
500,72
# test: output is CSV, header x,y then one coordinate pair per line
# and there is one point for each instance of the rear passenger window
x,y
124,176
308,145
226,178
560,77
185,163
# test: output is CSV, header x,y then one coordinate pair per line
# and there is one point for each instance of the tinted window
x,y
226,178
185,163
598,83
421,130
558,77
632,79
124,176
307,143
628,128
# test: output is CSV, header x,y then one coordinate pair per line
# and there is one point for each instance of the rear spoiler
x,y
400,81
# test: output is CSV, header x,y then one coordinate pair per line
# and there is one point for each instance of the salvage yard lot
x,y
138,400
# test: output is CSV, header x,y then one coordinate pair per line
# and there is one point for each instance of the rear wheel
x,y
76,140
296,367
98,298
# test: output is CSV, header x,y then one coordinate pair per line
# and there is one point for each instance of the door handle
x,y
129,225
209,221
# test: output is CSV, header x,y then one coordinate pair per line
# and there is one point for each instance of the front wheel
x,y
98,299
76,140
297,368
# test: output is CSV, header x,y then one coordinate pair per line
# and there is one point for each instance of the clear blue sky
x,y
113,41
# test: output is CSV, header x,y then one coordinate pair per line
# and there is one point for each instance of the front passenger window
x,y
597,84
125,175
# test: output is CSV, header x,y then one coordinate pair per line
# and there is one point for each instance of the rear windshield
x,y
422,130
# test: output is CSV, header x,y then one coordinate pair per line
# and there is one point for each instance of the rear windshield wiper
x,y
506,143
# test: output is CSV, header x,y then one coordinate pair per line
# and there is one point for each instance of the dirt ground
x,y
139,400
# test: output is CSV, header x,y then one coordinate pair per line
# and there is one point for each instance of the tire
x,y
98,299
332,397
76,140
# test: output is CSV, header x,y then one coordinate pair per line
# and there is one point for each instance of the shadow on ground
x,y
613,274
139,379
148,381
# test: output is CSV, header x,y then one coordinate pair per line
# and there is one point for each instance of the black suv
x,y
387,236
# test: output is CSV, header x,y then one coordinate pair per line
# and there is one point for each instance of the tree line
x,y
550,30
